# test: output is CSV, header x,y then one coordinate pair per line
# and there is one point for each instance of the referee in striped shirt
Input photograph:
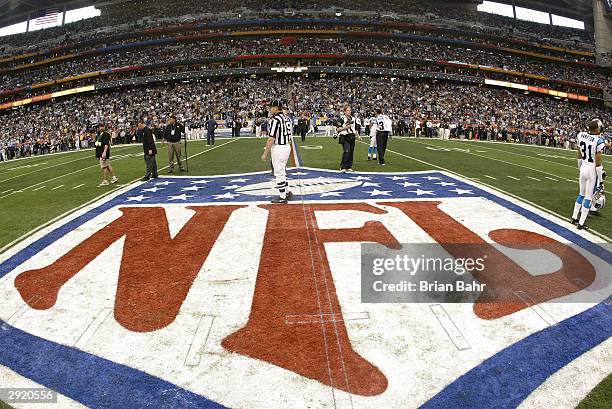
x,y
279,144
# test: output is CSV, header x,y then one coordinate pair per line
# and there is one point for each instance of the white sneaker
x,y
114,179
350,170
104,183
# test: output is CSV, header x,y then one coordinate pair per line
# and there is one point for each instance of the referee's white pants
x,y
280,156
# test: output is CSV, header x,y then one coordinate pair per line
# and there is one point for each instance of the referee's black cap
x,y
276,103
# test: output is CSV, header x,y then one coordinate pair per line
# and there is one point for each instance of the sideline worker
x,y
148,144
173,134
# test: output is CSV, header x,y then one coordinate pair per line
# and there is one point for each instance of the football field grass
x,y
36,191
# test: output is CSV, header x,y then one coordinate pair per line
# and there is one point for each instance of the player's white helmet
x,y
599,124
599,201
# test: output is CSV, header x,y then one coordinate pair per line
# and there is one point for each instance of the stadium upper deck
x,y
124,16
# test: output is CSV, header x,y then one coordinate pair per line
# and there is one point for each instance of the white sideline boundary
x,y
527,145
527,156
502,161
496,190
109,193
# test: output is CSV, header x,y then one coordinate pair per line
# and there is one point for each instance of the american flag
x,y
47,16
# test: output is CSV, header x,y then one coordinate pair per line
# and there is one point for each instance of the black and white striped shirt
x,y
281,129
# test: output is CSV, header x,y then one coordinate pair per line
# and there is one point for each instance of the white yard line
x,y
46,156
55,219
55,178
54,154
76,187
521,145
521,154
38,188
532,178
115,147
512,177
57,187
88,167
52,179
54,166
490,177
495,188
499,160
23,167
553,179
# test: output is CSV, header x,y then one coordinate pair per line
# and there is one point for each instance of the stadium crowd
x,y
469,111
466,34
125,17
416,107
416,50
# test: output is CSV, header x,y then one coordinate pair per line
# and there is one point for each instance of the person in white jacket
x,y
372,149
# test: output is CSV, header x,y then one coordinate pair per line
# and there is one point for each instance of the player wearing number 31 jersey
x,y
590,147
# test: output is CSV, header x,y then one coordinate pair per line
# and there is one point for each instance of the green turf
x,y
499,165
494,164
4,405
329,157
600,397
40,189
35,203
41,197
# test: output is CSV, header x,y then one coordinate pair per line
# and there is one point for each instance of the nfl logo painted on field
x,y
195,292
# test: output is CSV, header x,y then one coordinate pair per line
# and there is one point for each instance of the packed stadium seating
x,y
175,54
124,16
131,51
448,104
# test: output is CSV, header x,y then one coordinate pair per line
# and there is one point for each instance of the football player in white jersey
x,y
372,149
384,127
590,146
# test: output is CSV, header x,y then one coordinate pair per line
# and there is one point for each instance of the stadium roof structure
x,y
14,11
576,9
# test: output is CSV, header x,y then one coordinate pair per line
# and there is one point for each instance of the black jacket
x,y
211,125
303,124
175,136
148,142
158,131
